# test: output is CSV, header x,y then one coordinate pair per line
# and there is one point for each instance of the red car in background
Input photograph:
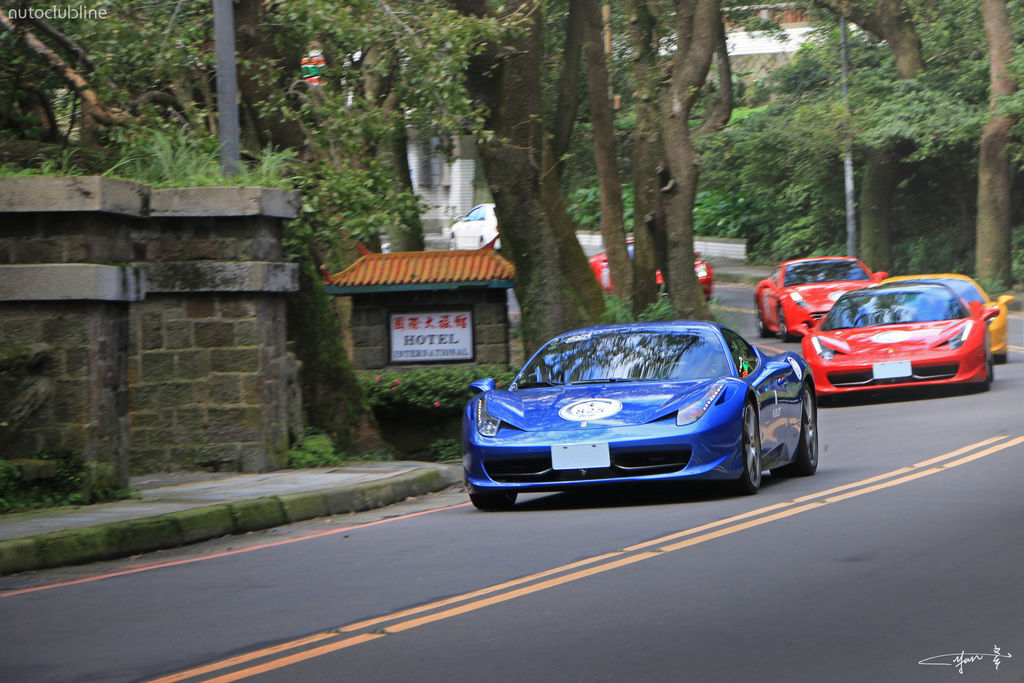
x,y
599,264
900,334
803,290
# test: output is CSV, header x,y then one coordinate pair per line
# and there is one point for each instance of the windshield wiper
x,y
539,383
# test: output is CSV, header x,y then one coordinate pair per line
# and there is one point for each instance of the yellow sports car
x,y
969,290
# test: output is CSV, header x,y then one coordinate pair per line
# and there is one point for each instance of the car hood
x,y
609,405
888,340
821,295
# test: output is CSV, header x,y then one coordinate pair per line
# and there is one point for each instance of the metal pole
x,y
851,219
227,86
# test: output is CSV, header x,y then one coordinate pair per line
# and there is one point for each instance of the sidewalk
x,y
181,508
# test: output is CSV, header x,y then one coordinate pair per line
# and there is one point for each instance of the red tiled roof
x,y
425,267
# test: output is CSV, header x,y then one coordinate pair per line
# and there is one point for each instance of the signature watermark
x,y
57,12
961,659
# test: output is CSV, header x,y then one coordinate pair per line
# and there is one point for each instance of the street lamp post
x,y
227,86
851,219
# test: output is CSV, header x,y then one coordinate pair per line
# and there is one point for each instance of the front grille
x,y
537,468
921,373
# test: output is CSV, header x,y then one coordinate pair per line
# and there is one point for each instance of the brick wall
x,y
174,359
370,315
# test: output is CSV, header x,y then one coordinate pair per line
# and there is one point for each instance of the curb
x,y
122,539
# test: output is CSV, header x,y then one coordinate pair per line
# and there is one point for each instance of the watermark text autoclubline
x,y
57,12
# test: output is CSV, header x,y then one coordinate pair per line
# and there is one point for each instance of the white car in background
x,y
479,227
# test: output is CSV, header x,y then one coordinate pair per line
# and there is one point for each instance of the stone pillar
x,y
212,383
172,359
64,318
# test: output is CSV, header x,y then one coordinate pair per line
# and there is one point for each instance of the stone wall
x,y
175,358
370,315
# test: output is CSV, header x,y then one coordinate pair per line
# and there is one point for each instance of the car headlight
x,y
693,411
958,341
486,424
825,352
798,299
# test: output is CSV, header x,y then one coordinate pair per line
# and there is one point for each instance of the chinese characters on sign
x,y
431,336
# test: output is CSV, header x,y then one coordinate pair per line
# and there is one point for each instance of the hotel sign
x,y
431,336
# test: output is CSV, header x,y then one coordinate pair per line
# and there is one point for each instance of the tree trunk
x,y
697,34
554,284
647,153
995,179
331,398
891,21
407,236
878,183
568,86
613,228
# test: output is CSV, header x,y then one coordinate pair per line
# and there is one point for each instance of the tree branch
x,y
91,104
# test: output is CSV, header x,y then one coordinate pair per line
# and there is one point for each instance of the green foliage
x,y
1017,264
74,482
584,206
425,392
618,311
419,411
166,158
315,450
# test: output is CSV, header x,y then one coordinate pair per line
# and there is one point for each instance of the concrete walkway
x,y
177,509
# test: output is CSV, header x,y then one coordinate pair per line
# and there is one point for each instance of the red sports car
x,y
803,290
599,264
899,334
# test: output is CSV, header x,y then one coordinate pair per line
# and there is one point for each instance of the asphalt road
x,y
899,561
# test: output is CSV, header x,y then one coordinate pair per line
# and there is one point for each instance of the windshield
x,y
869,307
609,356
810,272
964,289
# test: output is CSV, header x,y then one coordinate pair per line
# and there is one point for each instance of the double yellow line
x,y
303,649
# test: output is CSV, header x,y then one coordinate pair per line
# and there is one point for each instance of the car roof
x,y
653,326
907,286
933,277
813,259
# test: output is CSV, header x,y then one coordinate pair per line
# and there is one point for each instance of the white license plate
x,y
896,368
580,456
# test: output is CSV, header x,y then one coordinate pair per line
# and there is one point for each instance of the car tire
x,y
784,334
999,358
750,452
806,461
762,329
493,500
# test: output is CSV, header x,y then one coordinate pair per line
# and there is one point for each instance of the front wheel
x,y
762,329
783,328
750,449
493,500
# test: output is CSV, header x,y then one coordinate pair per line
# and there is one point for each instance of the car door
x,y
771,411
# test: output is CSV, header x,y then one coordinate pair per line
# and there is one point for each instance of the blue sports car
x,y
640,402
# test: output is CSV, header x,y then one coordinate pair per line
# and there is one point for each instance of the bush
x,y
74,482
419,411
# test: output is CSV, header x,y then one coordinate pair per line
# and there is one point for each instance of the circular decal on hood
x,y
590,409
891,337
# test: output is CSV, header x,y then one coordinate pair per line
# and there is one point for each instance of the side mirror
x,y
481,385
805,329
1006,299
879,276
